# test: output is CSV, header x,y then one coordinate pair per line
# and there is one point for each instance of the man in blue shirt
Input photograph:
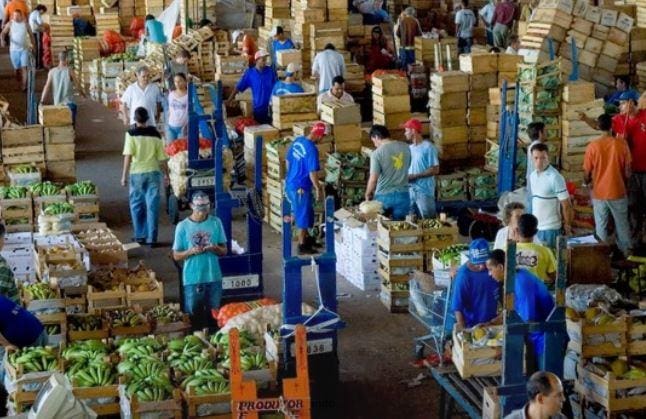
x,y
302,167
622,83
289,85
532,301
199,240
278,43
424,165
261,79
475,293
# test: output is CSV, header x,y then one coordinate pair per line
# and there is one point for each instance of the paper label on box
x,y
608,17
593,14
625,22
580,8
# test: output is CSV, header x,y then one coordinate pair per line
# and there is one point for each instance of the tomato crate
x,y
208,406
133,408
581,332
636,335
146,293
105,300
395,301
74,335
89,395
606,389
467,358
399,236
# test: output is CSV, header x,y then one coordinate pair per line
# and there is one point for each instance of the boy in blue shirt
x,y
302,175
532,301
199,240
289,85
475,293
279,43
261,79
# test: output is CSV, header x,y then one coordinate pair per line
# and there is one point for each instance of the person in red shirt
x,y
14,5
636,136
625,119
607,164
503,19
381,56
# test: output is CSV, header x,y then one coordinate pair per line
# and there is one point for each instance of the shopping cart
x,y
429,304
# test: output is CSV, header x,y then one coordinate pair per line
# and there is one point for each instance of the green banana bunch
x,y
13,192
222,339
191,365
248,361
431,223
24,168
58,208
17,221
190,346
143,369
139,346
95,374
211,383
125,318
165,314
35,359
80,354
84,323
40,291
85,187
45,189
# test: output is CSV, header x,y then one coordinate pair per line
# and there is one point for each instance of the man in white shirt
x,y
486,17
20,41
550,198
327,65
38,27
143,94
336,94
465,20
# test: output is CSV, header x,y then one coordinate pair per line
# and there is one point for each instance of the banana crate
x,y
86,326
17,214
395,299
86,207
135,409
107,299
175,323
132,323
91,395
590,339
41,201
207,406
55,254
609,390
16,374
42,297
399,236
471,360
636,335
55,325
397,267
438,233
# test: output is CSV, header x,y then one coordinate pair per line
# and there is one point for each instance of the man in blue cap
x,y
475,293
622,83
289,85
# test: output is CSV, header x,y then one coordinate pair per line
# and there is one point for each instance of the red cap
x,y
318,129
413,124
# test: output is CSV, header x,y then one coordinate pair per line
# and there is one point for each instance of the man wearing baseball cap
x,y
336,94
199,240
289,85
279,42
302,175
260,78
424,165
475,293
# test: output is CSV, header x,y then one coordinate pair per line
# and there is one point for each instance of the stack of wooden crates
x,y
448,103
59,142
345,120
292,108
391,102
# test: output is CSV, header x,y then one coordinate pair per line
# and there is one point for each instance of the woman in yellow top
x,y
144,161
534,257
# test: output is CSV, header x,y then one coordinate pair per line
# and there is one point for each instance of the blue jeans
x,y
144,204
618,208
548,237
199,299
396,205
422,204
173,133
464,45
73,109
489,32
406,56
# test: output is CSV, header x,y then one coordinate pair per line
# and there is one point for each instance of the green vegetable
x,y
45,189
58,208
34,359
40,291
85,187
13,192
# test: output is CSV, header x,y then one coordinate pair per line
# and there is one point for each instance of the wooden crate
x,y
231,64
74,335
391,103
17,214
294,103
40,202
64,170
399,270
446,101
439,237
579,91
340,114
636,346
55,319
478,63
392,121
168,408
603,387
105,300
145,299
448,118
287,56
54,115
218,402
58,152
140,330
490,403
579,330
59,135
22,136
395,301
409,240
389,85
86,207
90,394
464,358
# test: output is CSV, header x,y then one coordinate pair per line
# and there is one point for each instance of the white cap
x,y
291,68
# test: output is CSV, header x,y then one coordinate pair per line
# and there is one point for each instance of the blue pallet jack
x,y
32,102
242,273
323,325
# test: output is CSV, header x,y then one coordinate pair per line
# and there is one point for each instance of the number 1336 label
x,y
315,347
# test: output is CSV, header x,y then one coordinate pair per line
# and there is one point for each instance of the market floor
x,y
375,348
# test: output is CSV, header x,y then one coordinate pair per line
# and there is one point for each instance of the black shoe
x,y
304,249
140,241
155,245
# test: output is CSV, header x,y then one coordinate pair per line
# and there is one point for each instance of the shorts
x,y
302,203
19,59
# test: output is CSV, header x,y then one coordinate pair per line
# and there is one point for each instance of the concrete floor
x,y
376,347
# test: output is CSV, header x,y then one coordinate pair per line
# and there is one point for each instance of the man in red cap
x,y
302,160
424,165
261,79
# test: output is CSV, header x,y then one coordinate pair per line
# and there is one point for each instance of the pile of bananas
x,y
208,381
17,221
248,361
84,322
85,352
35,359
165,314
400,226
45,189
40,291
221,340
431,223
13,192
187,355
148,379
85,187
96,374
58,208
134,349
125,318
24,169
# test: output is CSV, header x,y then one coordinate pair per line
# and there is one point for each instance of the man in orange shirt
x,y
607,164
14,5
